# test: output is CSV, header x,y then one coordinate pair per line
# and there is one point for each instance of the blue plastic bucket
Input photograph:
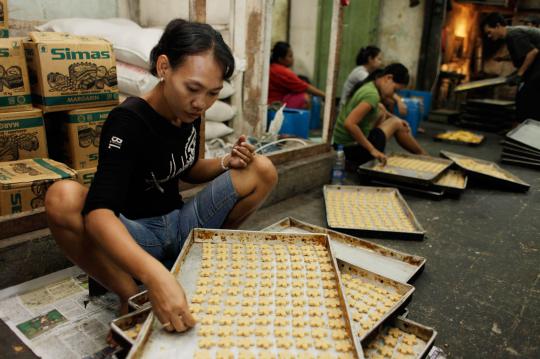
x,y
295,122
414,113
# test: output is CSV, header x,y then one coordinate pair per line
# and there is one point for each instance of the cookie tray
x,y
370,316
374,343
511,182
373,169
417,233
155,342
396,265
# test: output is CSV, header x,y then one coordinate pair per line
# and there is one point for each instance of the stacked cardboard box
x,y
4,23
23,183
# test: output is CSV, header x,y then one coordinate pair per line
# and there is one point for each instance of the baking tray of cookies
x,y
396,265
400,338
256,294
126,329
487,171
409,168
452,182
371,211
371,298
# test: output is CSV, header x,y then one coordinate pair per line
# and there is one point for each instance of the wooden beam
x,y
333,70
256,32
20,223
197,10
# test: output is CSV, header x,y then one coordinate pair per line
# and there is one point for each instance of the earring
x,y
161,79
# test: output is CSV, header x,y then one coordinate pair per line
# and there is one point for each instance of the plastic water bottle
x,y
338,171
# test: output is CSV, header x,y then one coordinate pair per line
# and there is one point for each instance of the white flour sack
x,y
220,112
134,80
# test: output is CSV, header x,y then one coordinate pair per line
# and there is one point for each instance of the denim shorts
x,y
163,236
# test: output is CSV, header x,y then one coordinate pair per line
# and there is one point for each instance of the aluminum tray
x,y
447,182
363,323
430,192
509,180
393,173
154,342
526,134
511,161
425,338
399,266
481,83
125,329
468,143
416,231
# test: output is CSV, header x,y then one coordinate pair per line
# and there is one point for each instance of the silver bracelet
x,y
223,167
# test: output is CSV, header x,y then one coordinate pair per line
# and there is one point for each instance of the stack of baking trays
x,y
416,174
293,291
485,172
487,114
521,146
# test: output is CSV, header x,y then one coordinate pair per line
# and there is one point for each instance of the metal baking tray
x,y
511,161
452,182
155,342
526,134
139,301
519,157
363,322
425,337
125,329
430,192
387,196
505,178
531,156
468,143
396,173
517,147
387,262
481,83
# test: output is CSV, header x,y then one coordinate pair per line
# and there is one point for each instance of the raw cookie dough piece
x,y
334,313
226,320
339,334
245,343
315,312
224,354
225,342
264,343
230,311
202,354
285,343
245,354
261,331
243,321
298,312
298,322
336,323
303,343
224,331
314,302
389,340
208,320
316,322
343,346
262,320
298,332
322,344
410,339
243,331
206,331
281,332
206,343
318,333
405,349
264,310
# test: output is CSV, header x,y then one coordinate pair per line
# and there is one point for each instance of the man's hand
x,y
406,125
242,154
169,302
378,155
514,80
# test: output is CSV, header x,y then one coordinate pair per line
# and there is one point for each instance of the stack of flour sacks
x,y
132,46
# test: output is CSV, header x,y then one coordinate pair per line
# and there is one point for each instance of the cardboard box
x,y
23,183
22,135
69,72
82,129
14,82
86,176
4,23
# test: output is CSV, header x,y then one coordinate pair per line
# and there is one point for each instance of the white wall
x,y
54,9
160,12
280,21
303,35
400,33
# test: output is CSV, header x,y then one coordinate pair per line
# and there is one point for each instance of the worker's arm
x,y
529,59
352,121
206,170
315,91
168,299
402,107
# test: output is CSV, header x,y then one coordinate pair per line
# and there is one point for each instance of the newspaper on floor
x,y
55,317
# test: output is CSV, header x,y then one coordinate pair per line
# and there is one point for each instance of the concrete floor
x,y
480,288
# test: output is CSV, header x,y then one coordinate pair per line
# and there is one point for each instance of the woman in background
x,y
364,126
284,85
368,60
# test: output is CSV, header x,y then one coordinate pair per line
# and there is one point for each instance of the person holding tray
x,y
131,223
523,44
364,126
